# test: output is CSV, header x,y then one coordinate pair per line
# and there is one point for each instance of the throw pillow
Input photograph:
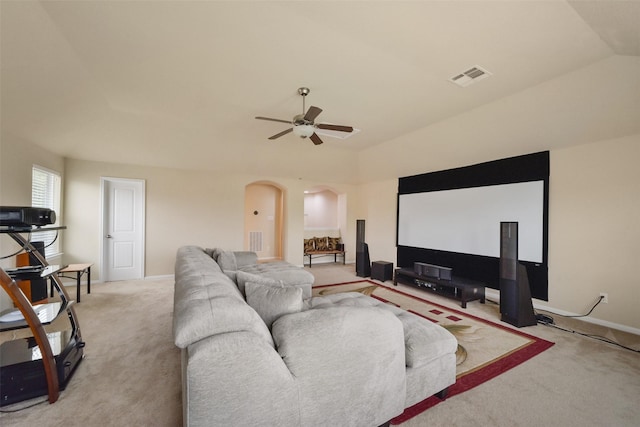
x,y
333,243
242,278
273,302
309,245
321,243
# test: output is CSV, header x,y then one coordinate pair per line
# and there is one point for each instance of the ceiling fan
x,y
303,124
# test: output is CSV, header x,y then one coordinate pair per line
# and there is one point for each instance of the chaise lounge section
x,y
264,356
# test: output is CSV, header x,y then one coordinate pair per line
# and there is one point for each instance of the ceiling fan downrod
x,y
303,91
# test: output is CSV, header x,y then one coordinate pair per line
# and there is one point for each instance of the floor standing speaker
x,y
516,307
363,263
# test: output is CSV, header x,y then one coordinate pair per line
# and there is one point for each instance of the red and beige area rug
x,y
485,349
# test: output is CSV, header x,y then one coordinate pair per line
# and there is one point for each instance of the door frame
x,y
103,215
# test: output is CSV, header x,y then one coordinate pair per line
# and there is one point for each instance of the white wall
x,y
321,210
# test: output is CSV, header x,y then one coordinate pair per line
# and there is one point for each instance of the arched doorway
x,y
263,220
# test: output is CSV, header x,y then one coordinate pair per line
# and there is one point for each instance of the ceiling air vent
x,y
472,75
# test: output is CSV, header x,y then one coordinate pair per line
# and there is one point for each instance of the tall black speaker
x,y
38,286
359,232
363,264
516,307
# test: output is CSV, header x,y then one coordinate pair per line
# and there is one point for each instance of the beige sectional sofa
x,y
255,352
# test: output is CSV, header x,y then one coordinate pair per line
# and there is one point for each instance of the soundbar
x,y
25,216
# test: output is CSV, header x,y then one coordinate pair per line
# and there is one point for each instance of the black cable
x,y
579,315
53,241
596,337
24,248
13,254
550,323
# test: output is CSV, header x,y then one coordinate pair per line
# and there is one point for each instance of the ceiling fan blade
x,y
273,120
312,113
335,127
278,135
315,139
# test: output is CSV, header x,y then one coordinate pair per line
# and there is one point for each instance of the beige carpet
x,y
131,373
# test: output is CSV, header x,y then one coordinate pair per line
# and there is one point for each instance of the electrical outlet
x,y
605,297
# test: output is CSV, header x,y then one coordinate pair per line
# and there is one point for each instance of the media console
x,y
463,290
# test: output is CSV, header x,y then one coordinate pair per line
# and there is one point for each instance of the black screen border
x,y
525,168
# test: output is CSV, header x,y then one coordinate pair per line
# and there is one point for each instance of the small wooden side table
x,y
79,269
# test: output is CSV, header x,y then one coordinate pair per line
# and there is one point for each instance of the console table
x,y
463,290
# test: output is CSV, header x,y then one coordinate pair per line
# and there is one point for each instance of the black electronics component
x,y
26,380
25,216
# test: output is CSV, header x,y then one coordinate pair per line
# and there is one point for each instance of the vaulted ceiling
x,y
178,83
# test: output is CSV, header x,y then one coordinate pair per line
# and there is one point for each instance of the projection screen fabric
x,y
468,220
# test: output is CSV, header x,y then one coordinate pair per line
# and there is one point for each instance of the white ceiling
x,y
178,83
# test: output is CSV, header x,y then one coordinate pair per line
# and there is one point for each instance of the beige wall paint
x,y
573,109
17,157
321,210
183,207
265,200
378,202
594,228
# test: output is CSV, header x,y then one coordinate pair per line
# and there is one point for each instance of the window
x,y
45,193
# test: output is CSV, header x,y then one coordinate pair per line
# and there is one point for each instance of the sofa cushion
x,y
244,258
198,318
227,261
424,341
289,274
243,277
213,253
272,302
192,260
232,260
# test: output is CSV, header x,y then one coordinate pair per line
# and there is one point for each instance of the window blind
x,y
45,193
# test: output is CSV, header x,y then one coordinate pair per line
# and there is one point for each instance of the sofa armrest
x,y
348,362
236,379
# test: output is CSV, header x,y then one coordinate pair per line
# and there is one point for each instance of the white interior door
x,y
123,229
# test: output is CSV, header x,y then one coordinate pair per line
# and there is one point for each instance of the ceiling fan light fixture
x,y
304,131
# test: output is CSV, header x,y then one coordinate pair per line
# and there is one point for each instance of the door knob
x,y
109,236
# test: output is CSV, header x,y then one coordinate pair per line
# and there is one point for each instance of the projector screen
x,y
467,220
452,218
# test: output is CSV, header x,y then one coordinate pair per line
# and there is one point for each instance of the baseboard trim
x,y
160,277
494,294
